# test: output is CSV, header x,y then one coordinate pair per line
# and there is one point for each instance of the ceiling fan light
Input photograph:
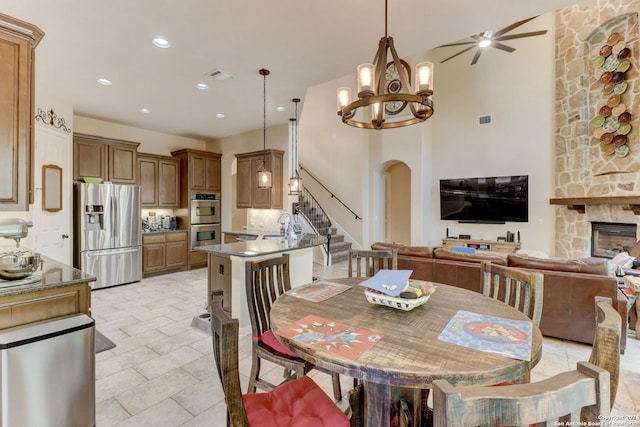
x,y
484,43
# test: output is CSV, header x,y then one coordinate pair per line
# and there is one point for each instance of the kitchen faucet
x,y
286,225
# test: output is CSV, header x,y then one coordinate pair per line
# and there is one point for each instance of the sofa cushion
x,y
420,251
591,265
478,256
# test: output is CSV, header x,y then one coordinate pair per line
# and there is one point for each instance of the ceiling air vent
x,y
220,75
485,120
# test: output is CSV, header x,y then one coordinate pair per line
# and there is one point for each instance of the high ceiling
x,y
302,43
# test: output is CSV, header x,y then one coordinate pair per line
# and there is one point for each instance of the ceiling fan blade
x,y
459,53
521,35
458,44
476,56
502,46
511,27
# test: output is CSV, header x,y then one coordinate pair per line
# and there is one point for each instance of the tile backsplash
x,y
264,221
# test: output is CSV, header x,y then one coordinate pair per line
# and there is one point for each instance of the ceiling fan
x,y
487,38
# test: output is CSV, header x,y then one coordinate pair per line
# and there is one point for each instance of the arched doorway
x,y
397,203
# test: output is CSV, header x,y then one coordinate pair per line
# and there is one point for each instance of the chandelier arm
x,y
400,69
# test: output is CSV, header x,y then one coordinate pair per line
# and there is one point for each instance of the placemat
x,y
491,334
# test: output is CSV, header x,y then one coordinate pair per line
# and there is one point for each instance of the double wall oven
x,y
204,212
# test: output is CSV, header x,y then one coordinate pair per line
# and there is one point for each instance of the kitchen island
x,y
226,263
62,290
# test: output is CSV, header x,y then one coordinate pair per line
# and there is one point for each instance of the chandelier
x,y
384,87
295,182
264,175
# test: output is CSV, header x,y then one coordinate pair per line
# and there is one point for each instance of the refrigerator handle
x,y
114,219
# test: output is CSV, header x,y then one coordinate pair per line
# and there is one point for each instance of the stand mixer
x,y
17,264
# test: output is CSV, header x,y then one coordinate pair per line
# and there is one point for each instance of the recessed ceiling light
x,y
219,116
280,109
202,86
145,111
105,82
161,43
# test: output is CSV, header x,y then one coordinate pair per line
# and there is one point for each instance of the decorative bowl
x,y
18,265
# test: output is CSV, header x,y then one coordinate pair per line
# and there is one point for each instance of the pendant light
x,y
264,175
295,182
384,88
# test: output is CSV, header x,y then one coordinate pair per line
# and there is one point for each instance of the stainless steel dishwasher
x,y
47,372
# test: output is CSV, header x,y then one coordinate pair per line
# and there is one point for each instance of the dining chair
x,y
606,344
519,288
266,280
296,402
368,262
569,398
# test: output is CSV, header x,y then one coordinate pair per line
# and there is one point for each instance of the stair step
x,y
339,247
336,238
339,257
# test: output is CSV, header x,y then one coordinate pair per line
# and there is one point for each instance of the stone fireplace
x,y
592,186
608,239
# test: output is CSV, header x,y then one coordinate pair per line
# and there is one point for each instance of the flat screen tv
x,y
492,200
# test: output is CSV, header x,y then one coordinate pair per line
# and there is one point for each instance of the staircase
x,y
309,208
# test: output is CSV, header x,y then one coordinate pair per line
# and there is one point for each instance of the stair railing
x,y
318,221
333,196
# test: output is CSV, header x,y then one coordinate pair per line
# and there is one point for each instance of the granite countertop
x,y
162,231
253,248
53,275
252,233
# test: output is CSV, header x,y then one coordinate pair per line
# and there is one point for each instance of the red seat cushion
x,y
297,403
270,339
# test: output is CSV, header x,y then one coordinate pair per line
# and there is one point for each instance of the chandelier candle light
x,y
295,182
264,175
384,86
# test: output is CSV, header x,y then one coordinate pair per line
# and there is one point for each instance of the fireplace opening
x,y
608,239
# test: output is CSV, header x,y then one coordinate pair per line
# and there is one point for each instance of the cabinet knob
x,y
65,236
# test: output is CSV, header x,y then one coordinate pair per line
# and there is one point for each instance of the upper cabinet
x,y
159,179
200,170
110,159
17,57
248,195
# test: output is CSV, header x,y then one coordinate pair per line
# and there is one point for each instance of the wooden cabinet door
x,y
168,183
177,250
148,180
276,201
261,197
122,164
244,185
89,159
153,256
197,172
17,56
212,177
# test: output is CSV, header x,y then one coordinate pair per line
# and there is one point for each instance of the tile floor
x,y
161,372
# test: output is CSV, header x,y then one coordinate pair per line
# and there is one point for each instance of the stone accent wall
x,y
582,169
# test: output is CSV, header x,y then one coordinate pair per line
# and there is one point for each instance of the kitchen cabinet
x,y
159,179
248,195
110,159
164,252
18,40
200,171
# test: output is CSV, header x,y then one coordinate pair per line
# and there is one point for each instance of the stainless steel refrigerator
x,y
107,238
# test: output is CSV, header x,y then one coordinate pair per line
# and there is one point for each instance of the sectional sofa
x,y
569,285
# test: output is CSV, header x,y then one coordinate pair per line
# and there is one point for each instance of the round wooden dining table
x,y
409,355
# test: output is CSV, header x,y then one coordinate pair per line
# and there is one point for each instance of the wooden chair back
x,y
606,344
265,281
225,352
556,401
368,262
518,288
